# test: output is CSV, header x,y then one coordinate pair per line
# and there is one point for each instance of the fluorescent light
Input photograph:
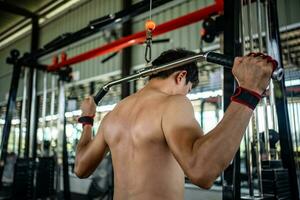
x,y
16,35
41,21
61,8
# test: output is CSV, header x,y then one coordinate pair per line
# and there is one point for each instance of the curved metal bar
x,y
212,57
147,72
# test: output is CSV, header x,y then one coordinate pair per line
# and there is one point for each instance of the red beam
x,y
139,37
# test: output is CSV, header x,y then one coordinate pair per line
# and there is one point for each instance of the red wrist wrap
x,y
86,120
246,97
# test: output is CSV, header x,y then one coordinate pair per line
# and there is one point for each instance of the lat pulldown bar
x,y
212,57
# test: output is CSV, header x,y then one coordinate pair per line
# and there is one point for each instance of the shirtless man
x,y
155,139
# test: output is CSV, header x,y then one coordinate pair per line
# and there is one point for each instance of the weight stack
x,y
23,179
45,177
275,180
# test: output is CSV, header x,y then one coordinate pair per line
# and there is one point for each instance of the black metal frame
x,y
11,104
231,179
286,144
232,46
36,121
17,63
11,8
103,23
34,47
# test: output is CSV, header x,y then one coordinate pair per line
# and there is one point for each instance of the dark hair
x,y
172,55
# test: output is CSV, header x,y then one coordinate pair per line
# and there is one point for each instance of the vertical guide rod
x,y
23,112
32,114
250,131
31,88
264,105
52,107
44,106
264,100
62,140
271,86
294,116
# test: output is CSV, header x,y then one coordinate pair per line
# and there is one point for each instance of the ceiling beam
x,y
11,8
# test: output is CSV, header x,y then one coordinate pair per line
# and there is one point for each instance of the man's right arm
x,y
204,157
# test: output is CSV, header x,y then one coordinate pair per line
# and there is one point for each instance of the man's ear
x,y
180,75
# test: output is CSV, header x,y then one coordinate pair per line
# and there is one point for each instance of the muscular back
x,y
144,167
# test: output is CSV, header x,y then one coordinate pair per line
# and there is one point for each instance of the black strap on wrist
x,y
86,120
246,97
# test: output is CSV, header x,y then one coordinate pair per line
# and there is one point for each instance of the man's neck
x,y
163,85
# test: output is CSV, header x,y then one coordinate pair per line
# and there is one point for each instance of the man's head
x,y
185,76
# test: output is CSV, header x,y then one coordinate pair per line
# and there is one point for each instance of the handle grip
x,y
220,59
228,61
100,95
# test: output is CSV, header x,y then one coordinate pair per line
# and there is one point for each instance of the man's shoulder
x,y
176,102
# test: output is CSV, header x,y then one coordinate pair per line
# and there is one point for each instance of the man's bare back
x,y
155,139
144,166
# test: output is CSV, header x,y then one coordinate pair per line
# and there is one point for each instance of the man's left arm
x,y
90,151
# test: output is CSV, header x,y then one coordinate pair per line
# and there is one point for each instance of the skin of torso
x,y
144,166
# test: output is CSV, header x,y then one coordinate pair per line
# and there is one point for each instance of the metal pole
x,y
32,118
28,116
202,106
249,25
44,107
250,131
257,139
127,52
32,89
232,46
258,158
295,116
249,167
52,106
62,139
14,138
23,113
20,130
271,86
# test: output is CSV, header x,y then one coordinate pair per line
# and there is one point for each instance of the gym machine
x,y
232,46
